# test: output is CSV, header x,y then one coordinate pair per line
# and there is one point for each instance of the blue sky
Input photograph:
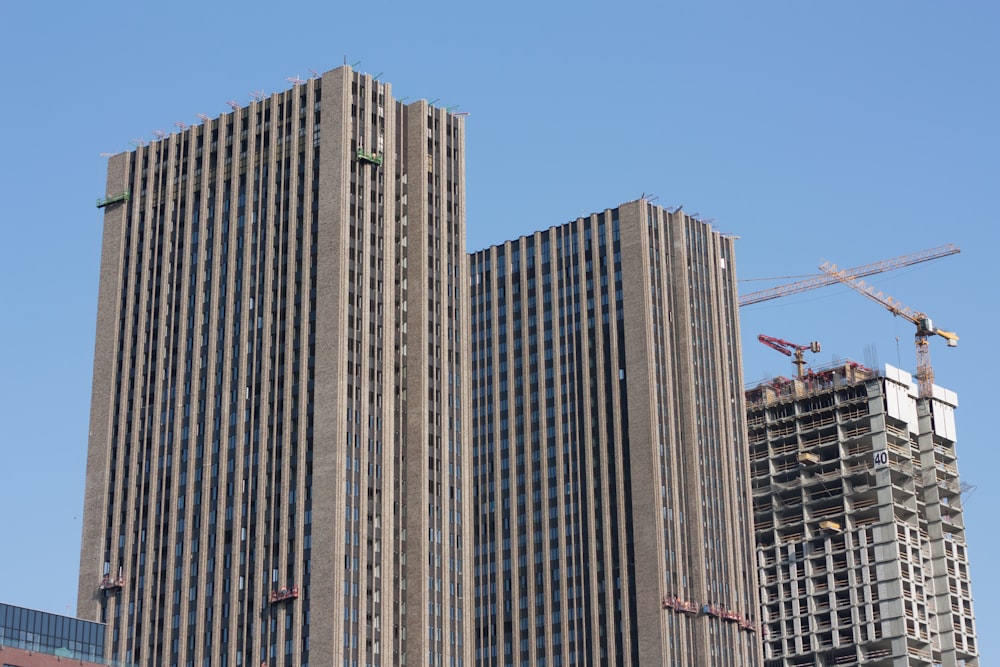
x,y
846,131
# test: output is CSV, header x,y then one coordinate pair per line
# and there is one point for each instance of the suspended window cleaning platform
x,y
285,594
107,201
674,602
370,158
679,604
110,583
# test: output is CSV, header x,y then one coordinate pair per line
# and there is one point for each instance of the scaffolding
x,y
814,381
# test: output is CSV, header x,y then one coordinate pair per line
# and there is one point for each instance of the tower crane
x,y
788,349
925,327
824,279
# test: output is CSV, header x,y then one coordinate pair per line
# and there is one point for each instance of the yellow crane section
x,y
925,326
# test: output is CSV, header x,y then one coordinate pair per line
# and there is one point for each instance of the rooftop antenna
x,y
453,106
461,113
314,73
181,125
294,80
355,64
106,154
431,103
204,118
257,95
375,78
403,99
159,134
234,104
138,142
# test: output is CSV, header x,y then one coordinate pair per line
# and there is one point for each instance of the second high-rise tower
x,y
612,508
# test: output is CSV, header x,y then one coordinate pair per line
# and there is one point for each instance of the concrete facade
x,y
276,472
858,520
612,508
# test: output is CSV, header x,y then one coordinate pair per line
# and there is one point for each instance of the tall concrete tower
x,y
612,506
277,471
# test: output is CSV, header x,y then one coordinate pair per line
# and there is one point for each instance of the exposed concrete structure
x,y
612,506
858,519
276,471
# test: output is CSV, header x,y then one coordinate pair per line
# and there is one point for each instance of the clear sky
x,y
848,131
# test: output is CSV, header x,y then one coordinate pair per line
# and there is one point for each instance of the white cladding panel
x,y
944,420
900,396
945,396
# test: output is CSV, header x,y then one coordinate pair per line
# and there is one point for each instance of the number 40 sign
x,y
880,458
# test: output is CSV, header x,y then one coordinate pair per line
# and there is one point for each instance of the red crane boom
x,y
788,349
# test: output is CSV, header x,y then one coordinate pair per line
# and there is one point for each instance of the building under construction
x,y
862,556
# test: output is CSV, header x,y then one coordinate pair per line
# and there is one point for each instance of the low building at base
x,y
30,638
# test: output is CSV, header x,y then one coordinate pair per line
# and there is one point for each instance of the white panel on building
x,y
902,377
946,396
944,420
900,396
